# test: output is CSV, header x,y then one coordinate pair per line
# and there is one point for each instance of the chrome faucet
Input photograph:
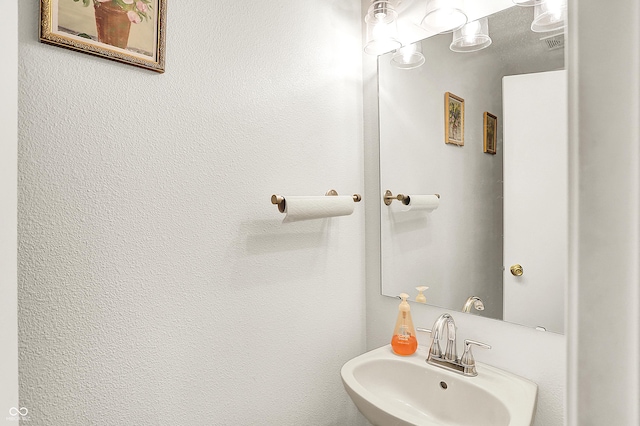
x,y
474,301
438,328
450,361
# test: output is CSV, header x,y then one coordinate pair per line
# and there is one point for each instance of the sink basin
x,y
392,390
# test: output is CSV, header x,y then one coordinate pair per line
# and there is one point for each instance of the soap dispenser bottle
x,y
421,298
404,340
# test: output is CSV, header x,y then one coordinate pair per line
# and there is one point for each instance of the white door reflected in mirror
x,y
535,210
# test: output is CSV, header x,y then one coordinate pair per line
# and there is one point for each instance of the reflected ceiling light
x,y
444,16
528,2
382,28
408,57
472,37
549,16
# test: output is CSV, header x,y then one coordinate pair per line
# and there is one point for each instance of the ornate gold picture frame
x,y
129,31
490,133
453,119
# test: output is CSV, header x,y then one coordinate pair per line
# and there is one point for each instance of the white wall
x,y
461,241
538,356
8,195
157,282
604,162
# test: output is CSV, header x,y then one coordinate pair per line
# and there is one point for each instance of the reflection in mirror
x,y
458,249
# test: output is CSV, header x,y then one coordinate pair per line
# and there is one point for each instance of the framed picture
x,y
490,133
453,119
129,31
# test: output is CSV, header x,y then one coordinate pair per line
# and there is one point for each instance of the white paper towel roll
x,y
309,207
423,203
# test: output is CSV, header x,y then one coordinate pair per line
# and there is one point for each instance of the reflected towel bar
x,y
406,199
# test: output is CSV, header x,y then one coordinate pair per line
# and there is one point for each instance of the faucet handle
x,y
423,330
468,343
467,358
434,348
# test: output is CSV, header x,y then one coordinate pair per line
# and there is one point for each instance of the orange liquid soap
x,y
403,341
404,345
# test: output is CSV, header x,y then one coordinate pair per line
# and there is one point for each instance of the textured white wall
x,y
8,195
538,356
603,321
157,282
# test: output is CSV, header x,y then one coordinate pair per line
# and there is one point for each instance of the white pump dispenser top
x,y
421,298
404,305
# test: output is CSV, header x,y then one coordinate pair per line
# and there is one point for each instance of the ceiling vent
x,y
554,42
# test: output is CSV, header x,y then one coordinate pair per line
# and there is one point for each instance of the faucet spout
x,y
438,329
473,301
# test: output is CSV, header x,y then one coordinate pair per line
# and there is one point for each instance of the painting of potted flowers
x,y
130,31
453,119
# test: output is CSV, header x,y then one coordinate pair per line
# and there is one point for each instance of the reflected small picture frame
x,y
453,119
132,32
490,133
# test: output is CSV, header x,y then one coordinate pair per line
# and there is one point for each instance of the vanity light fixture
x,y
549,16
444,16
408,57
472,37
382,28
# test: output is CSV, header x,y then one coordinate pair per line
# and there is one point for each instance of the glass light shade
x,y
549,16
444,16
382,29
472,37
528,3
408,57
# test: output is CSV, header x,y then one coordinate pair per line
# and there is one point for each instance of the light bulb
x,y
549,16
472,37
471,31
408,57
555,8
407,52
382,30
444,16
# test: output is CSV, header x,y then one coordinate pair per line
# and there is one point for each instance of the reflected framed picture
x,y
129,31
490,133
453,119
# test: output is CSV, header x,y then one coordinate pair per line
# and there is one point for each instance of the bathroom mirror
x,y
458,249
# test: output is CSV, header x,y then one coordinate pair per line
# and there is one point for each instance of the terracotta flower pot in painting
x,y
112,23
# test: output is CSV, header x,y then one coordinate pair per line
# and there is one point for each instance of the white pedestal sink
x,y
393,390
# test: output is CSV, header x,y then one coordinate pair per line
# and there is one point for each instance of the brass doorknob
x,y
517,270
